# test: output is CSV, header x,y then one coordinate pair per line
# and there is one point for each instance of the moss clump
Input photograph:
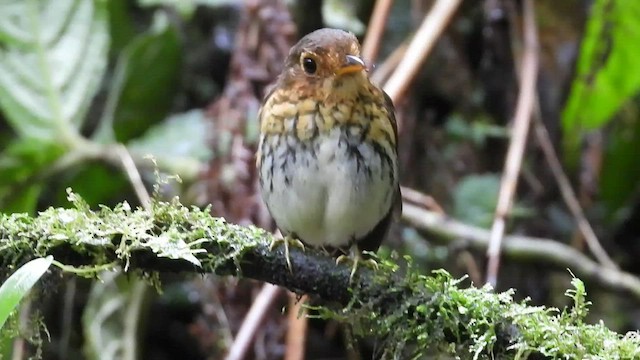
x,y
411,314
420,315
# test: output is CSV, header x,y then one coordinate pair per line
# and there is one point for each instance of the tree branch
x,y
409,313
524,247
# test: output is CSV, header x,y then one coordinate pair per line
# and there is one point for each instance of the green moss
x,y
411,314
437,314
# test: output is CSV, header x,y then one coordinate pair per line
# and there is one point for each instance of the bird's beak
x,y
351,65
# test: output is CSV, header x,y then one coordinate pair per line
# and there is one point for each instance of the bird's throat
x,y
340,88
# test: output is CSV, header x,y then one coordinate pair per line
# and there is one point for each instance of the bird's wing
x,y
270,90
388,104
391,110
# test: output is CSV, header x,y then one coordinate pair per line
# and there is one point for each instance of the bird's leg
x,y
355,256
287,240
325,250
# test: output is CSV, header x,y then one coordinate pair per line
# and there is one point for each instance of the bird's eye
x,y
309,65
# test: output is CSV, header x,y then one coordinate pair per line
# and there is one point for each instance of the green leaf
x,y
18,285
478,130
22,158
20,163
144,83
475,198
21,199
121,25
621,157
187,134
53,55
342,15
98,183
186,7
607,72
112,316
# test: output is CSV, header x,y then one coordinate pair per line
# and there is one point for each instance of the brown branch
x,y
133,174
419,198
397,307
538,250
520,131
297,331
375,28
423,41
568,195
252,321
385,70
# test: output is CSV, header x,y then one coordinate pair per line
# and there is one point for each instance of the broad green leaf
x,y
23,157
187,134
144,83
109,329
53,56
608,70
98,183
22,198
475,198
186,7
6,351
19,283
121,25
20,163
621,157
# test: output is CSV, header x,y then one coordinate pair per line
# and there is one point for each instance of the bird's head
x,y
327,59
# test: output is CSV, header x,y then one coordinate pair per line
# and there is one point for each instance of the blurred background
x,y
88,88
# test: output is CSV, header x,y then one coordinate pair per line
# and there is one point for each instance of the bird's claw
x,y
356,258
286,241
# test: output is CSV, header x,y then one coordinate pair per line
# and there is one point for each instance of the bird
x,y
327,156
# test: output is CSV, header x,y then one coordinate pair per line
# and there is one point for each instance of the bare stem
x,y
252,321
569,196
378,19
518,141
538,250
423,41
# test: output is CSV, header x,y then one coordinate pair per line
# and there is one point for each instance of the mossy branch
x,y
410,313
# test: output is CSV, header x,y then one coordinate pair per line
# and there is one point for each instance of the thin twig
x,y
378,19
130,168
569,196
139,287
522,120
130,330
537,250
66,322
566,190
215,308
384,70
419,198
252,321
423,41
471,265
24,317
297,331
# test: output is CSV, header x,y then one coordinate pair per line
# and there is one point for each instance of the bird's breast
x,y
305,118
328,169
330,189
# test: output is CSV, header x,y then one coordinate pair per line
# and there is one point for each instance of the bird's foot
x,y
355,257
287,241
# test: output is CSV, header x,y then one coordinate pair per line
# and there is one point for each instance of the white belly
x,y
329,199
